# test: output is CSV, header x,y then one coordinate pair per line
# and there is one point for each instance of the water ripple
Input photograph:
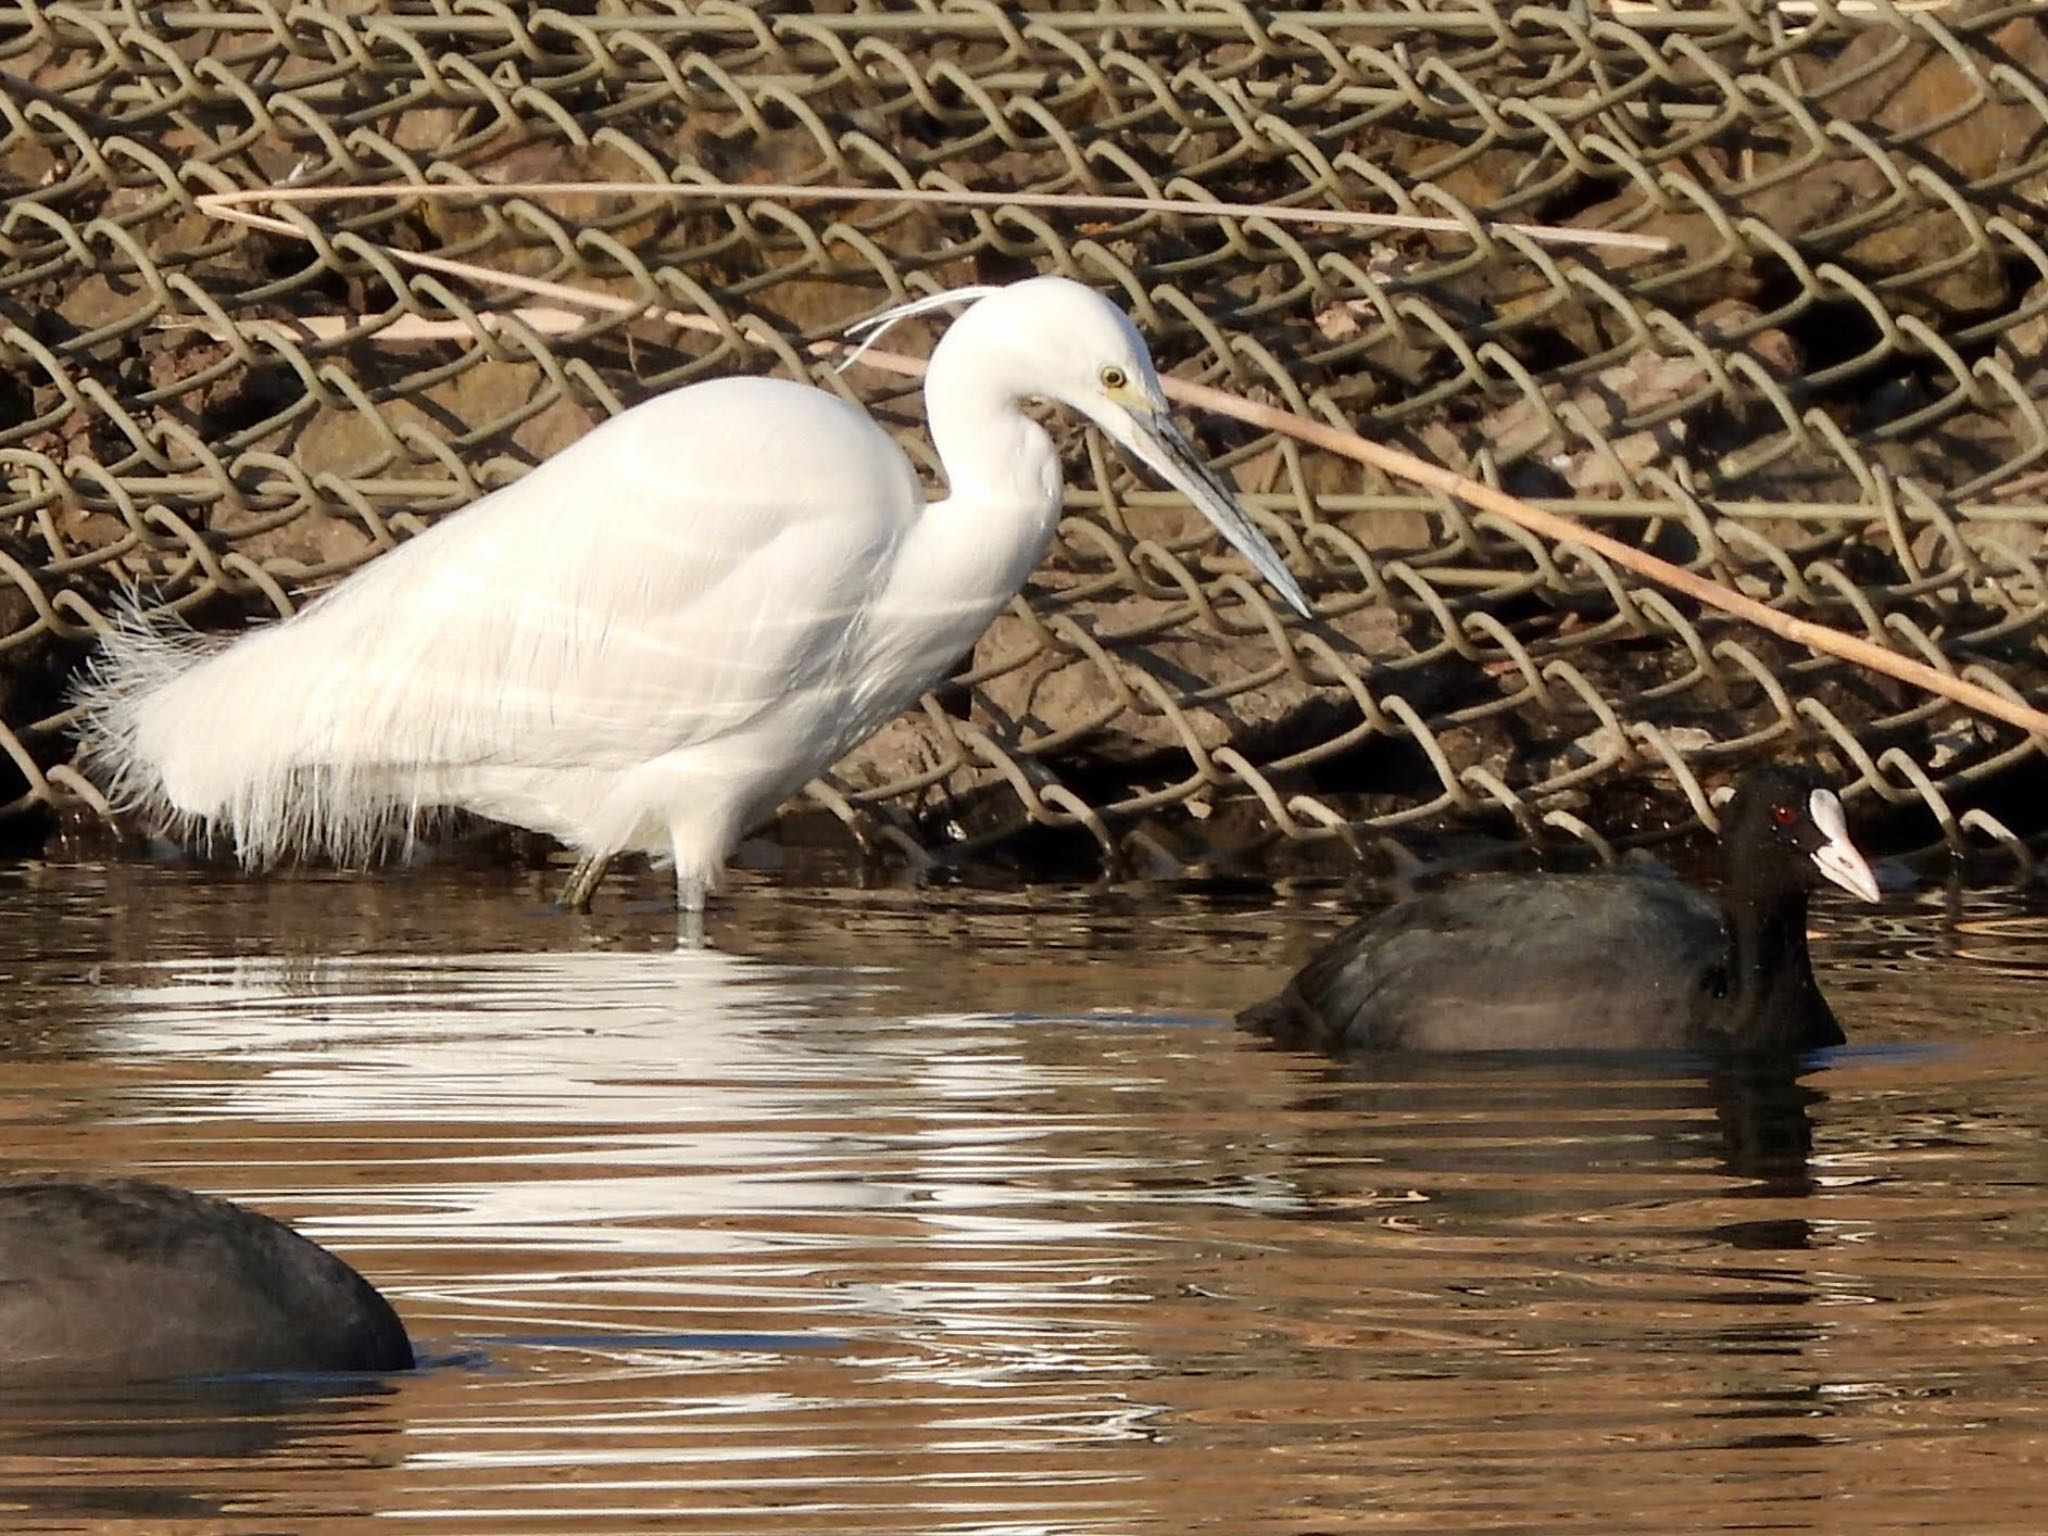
x,y
942,1212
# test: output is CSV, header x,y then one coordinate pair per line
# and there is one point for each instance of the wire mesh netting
x,y
1826,391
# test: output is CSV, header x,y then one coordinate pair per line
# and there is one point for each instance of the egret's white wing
x,y
657,584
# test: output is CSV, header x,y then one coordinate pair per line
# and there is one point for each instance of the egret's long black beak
x,y
1837,857
1161,446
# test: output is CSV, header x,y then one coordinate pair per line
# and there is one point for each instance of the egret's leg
x,y
689,910
700,830
583,882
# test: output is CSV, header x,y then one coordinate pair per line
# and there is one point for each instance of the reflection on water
x,y
966,1213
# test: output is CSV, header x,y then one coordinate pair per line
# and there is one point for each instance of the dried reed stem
x,y
1562,530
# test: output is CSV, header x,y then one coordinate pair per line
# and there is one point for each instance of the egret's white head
x,y
1055,339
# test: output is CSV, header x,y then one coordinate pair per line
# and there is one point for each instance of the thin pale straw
x,y
232,206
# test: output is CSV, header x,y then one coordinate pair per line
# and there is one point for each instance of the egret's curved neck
x,y
998,461
970,553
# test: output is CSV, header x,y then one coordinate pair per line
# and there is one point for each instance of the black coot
x,y
1596,962
121,1280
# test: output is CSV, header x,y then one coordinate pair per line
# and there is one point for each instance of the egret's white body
x,y
656,636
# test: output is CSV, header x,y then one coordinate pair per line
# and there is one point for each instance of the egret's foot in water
x,y
583,882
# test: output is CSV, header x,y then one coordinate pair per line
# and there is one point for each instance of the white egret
x,y
653,638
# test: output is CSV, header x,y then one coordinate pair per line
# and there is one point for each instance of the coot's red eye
x,y
1782,815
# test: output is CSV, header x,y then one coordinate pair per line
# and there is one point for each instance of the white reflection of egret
x,y
574,1100
661,633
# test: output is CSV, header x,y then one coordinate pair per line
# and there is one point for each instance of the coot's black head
x,y
1784,831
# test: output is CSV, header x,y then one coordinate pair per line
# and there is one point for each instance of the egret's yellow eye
x,y
1114,377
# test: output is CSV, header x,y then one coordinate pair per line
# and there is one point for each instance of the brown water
x,y
944,1212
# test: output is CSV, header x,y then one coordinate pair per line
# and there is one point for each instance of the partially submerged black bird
x,y
1633,961
121,1280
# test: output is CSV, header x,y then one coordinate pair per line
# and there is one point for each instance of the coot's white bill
x,y
1837,858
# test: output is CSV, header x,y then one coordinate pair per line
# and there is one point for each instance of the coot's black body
x,y
1596,962
124,1280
